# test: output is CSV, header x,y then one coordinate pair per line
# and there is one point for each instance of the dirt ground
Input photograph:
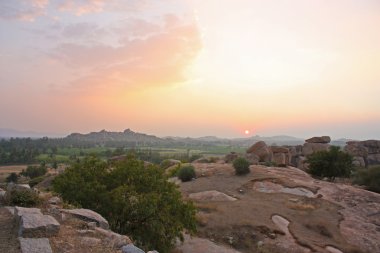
x,y
6,170
314,221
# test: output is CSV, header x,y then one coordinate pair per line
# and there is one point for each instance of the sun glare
x,y
246,132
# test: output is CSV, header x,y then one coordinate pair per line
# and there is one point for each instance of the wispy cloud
x,y
25,10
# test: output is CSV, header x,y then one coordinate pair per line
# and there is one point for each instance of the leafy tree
x,y
241,166
186,173
13,177
331,164
34,171
136,200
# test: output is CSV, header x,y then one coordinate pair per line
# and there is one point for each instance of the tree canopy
x,y
137,200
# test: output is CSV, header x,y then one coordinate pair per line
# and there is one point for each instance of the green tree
x,y
136,200
34,171
241,166
332,163
13,177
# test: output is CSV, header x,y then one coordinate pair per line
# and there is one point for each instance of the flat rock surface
x,y
198,245
34,225
88,215
211,196
35,245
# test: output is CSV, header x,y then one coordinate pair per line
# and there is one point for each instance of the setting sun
x,y
246,131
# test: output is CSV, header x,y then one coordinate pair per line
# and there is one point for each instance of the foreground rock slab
x,y
197,245
88,215
32,245
211,196
130,248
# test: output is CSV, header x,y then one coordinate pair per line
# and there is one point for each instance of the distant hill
x,y
105,136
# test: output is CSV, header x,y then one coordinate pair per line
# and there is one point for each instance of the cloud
x,y
80,7
156,59
24,10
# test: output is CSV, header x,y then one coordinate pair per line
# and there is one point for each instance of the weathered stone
x,y
230,157
153,251
261,150
34,245
34,225
358,161
276,149
17,187
211,196
252,158
279,159
373,146
87,215
2,194
197,245
20,211
115,240
322,139
54,200
90,241
130,248
310,148
356,149
373,159
91,225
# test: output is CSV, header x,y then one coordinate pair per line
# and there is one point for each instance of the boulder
x,y
130,248
261,150
20,211
230,157
18,187
211,196
276,149
34,245
358,161
373,146
54,200
280,159
373,159
322,139
87,215
356,149
115,240
252,158
2,194
310,148
34,225
90,241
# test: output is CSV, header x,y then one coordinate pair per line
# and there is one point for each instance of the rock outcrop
x,y
35,245
322,139
87,215
365,153
262,151
211,196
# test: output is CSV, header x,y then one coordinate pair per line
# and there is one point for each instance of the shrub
x,y
370,178
12,178
34,171
186,173
36,181
136,200
241,166
24,198
331,164
173,170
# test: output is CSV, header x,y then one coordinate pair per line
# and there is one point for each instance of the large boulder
x,y
276,149
130,248
87,215
358,161
322,139
355,148
261,149
280,159
373,146
373,159
34,245
252,158
310,148
34,224
230,157
115,240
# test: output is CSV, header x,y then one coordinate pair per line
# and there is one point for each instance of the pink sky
x,y
191,67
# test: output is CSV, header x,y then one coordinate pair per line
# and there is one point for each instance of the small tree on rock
x,y
333,163
241,166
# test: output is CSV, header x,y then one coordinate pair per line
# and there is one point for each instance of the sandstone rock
x,y
17,187
373,146
34,225
276,149
40,245
322,139
252,158
54,200
301,163
373,159
356,149
261,150
310,148
230,157
90,241
115,240
358,161
198,245
20,211
87,215
280,159
211,196
130,248
91,225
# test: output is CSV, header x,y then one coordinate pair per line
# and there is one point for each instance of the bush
x,y
241,166
36,181
370,178
331,164
12,178
186,173
135,199
34,171
24,198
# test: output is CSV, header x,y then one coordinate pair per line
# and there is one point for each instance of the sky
x,y
192,67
